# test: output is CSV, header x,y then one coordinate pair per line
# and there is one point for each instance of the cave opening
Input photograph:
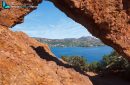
x,y
52,23
65,37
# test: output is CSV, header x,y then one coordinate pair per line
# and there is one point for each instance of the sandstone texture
x,y
24,61
15,15
108,20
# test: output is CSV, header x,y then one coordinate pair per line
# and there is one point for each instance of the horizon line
x,y
63,38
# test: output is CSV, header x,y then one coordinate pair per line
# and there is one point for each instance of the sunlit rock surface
x,y
24,61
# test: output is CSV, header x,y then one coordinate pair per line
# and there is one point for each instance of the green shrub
x,y
115,62
112,63
94,67
76,61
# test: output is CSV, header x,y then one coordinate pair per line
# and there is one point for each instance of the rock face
x,y
108,20
20,63
15,15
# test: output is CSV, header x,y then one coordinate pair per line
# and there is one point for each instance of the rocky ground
x,y
24,61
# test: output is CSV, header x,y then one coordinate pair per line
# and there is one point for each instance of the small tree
x,y
76,61
95,67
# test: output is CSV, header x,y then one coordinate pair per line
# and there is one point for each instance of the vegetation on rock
x,y
76,61
110,64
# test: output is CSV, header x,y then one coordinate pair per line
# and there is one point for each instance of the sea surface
x,y
90,53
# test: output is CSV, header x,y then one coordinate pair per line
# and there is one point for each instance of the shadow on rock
x,y
100,79
45,55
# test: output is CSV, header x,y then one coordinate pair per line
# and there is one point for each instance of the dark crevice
x,y
40,50
128,22
126,6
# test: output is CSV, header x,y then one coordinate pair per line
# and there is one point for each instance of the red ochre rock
x,y
25,61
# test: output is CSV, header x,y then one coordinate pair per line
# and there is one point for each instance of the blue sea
x,y
90,53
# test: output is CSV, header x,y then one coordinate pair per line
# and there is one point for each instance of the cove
x,y
92,54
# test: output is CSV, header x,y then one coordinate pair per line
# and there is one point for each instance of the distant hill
x,y
71,42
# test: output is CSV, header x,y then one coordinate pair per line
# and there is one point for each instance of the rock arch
x,y
108,20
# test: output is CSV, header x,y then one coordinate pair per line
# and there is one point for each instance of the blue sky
x,y
49,22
